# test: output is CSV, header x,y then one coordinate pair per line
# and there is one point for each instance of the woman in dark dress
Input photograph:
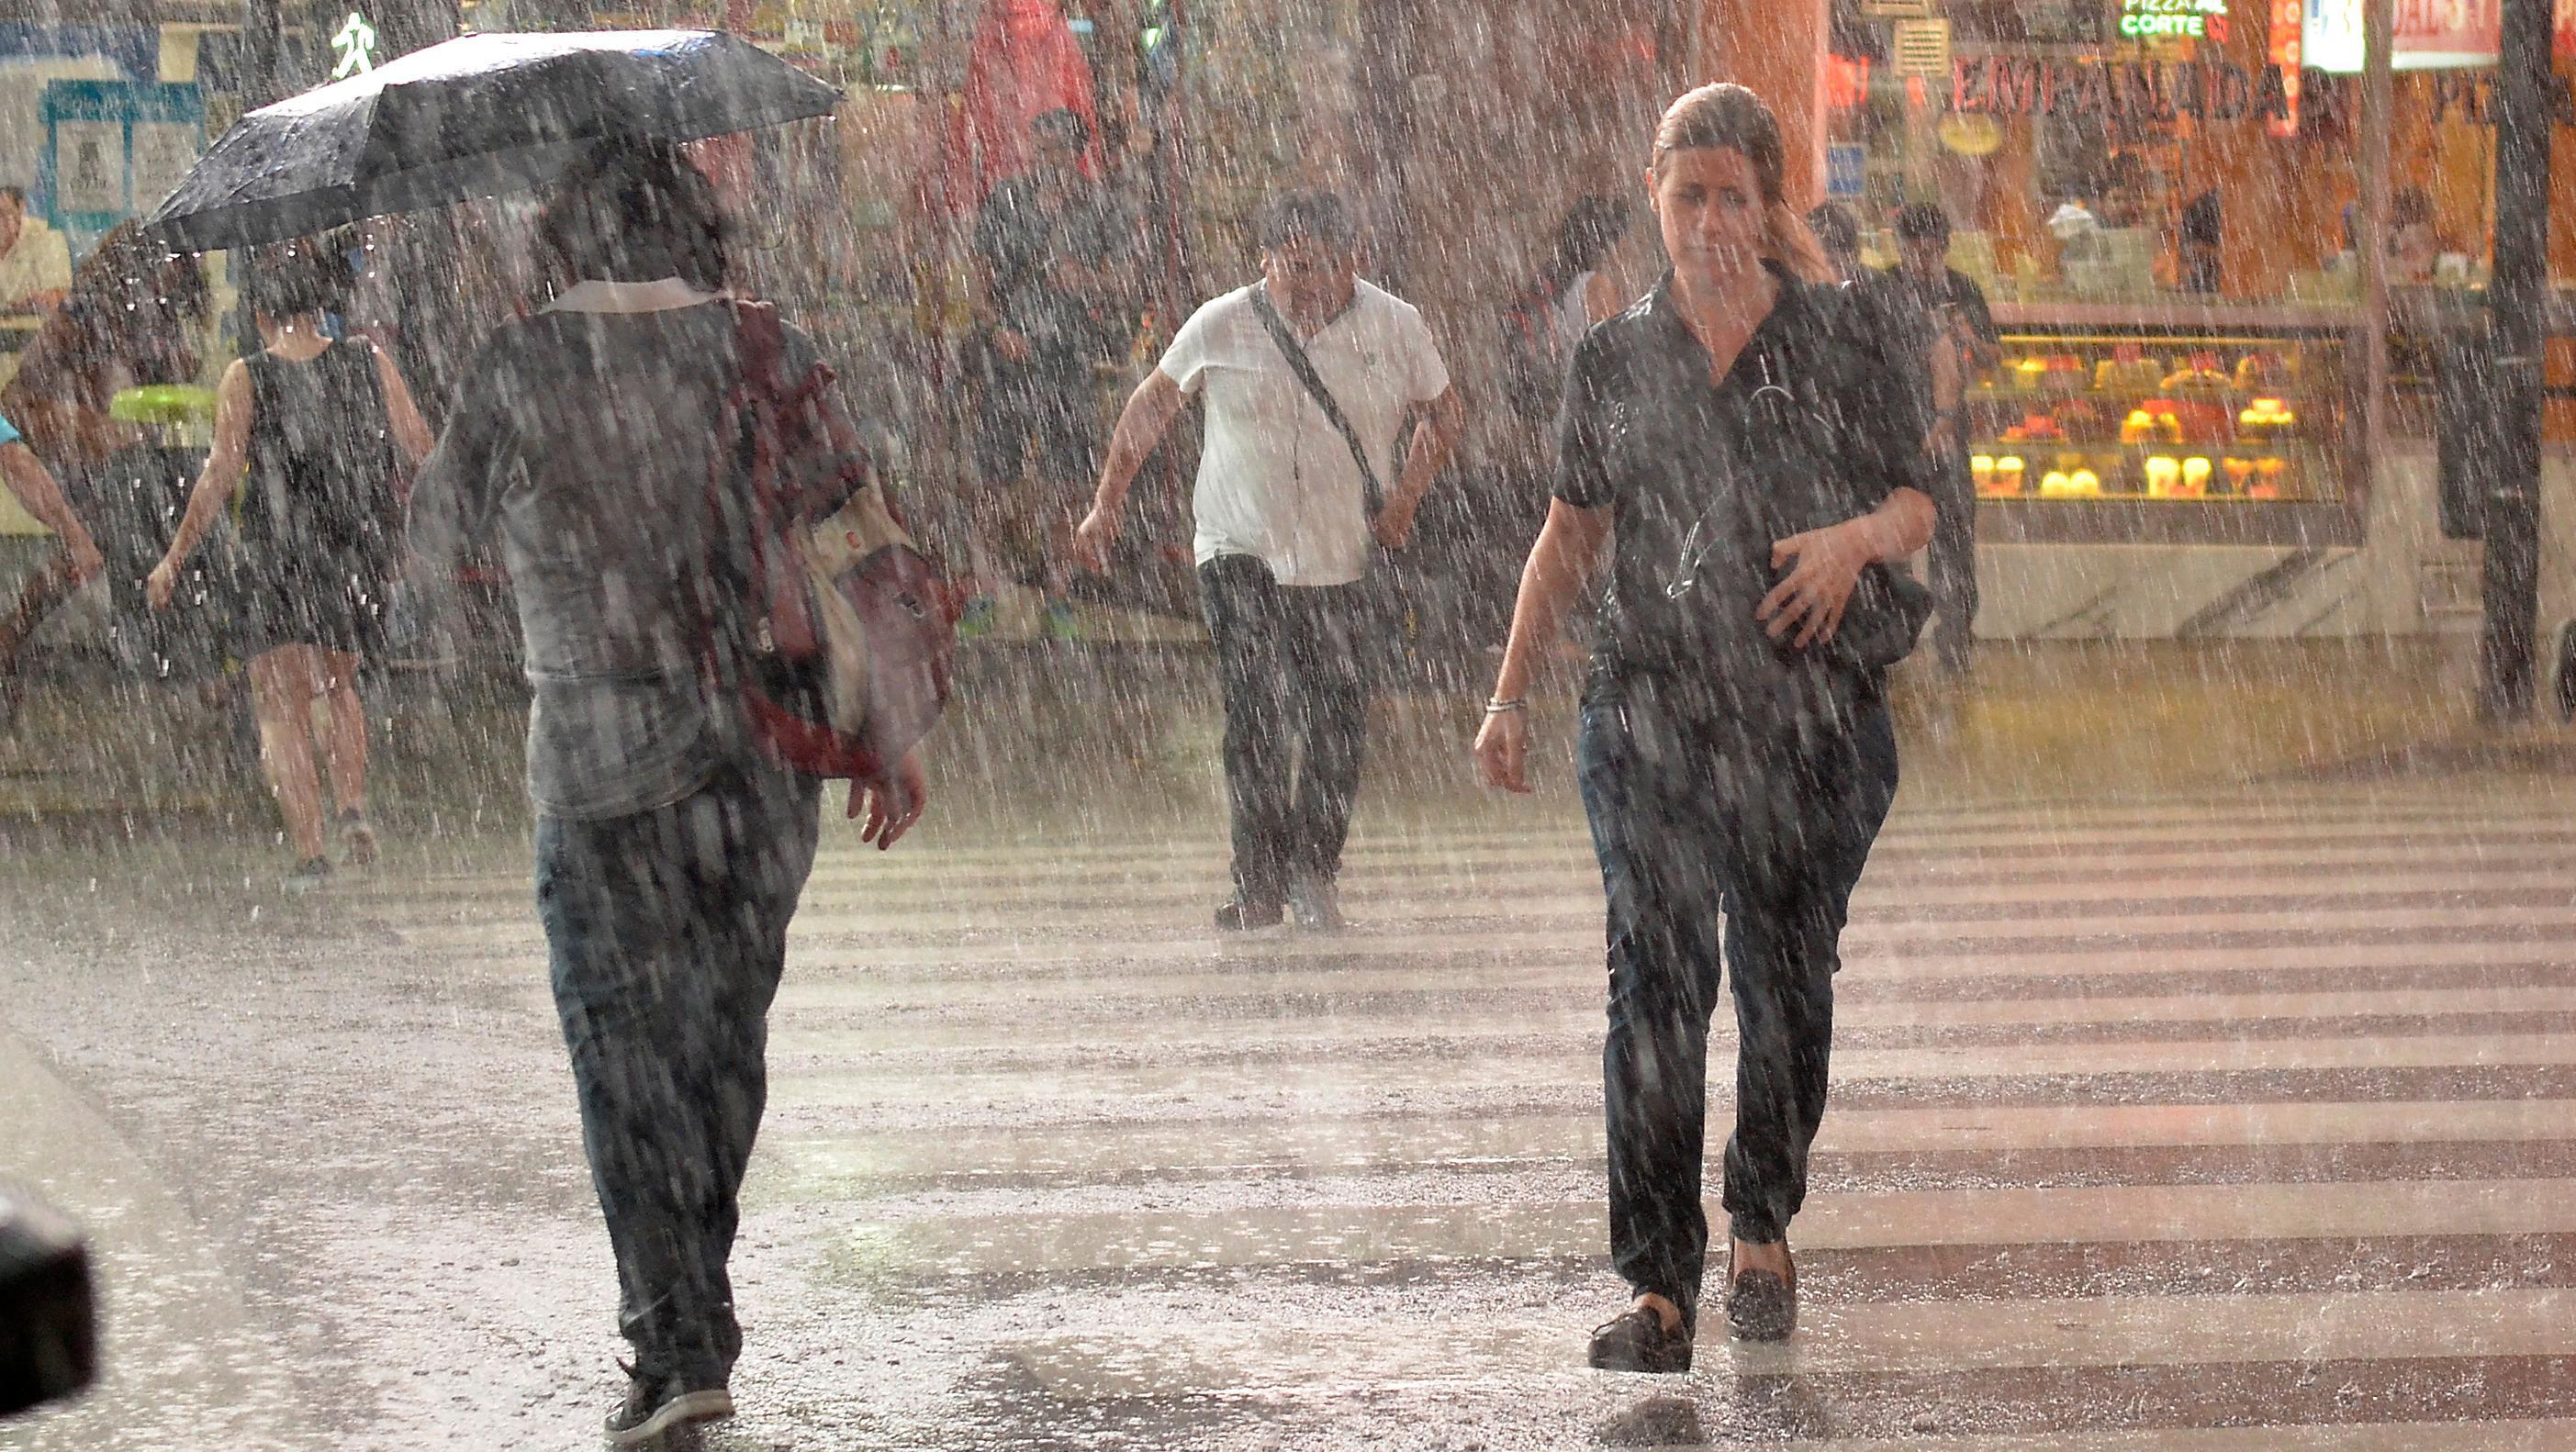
x,y
1739,453
313,425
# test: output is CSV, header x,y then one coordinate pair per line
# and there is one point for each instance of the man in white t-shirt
x,y
35,261
1286,530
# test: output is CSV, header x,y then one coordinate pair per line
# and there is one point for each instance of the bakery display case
x,y
2206,425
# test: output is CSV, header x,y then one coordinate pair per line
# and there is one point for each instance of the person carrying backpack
x,y
313,426
672,845
1740,458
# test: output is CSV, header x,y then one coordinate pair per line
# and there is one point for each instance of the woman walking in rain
x,y
670,851
313,425
1737,453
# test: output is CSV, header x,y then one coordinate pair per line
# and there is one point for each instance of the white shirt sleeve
x,y
1427,371
1186,361
53,265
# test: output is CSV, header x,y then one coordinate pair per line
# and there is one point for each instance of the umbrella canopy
x,y
477,116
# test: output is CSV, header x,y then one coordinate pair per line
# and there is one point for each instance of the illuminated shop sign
x,y
2430,35
1998,85
2173,19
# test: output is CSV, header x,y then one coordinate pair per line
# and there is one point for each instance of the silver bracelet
x,y
1499,707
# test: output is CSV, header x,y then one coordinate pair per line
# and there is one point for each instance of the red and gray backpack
x,y
838,653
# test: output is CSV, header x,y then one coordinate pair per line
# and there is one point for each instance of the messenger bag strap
x,y
1304,368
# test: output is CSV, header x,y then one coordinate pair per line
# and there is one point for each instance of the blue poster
x,y
1846,167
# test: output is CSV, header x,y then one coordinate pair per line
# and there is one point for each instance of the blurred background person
x,y
35,260
1049,300
1933,307
314,426
2197,238
1572,290
1838,234
131,319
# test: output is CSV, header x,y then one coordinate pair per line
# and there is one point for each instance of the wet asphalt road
x,y
2216,1122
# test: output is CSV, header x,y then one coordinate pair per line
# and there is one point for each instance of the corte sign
x,y
2173,19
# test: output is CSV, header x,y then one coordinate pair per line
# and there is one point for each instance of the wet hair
x,y
1726,116
1592,226
1922,222
1062,124
637,211
291,279
1837,231
1306,215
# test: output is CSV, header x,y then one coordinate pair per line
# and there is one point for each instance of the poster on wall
x,y
163,151
112,149
89,166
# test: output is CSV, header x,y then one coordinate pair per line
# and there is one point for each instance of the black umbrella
x,y
476,116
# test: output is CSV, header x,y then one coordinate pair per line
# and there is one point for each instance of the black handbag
x,y
1884,619
1389,609
1888,608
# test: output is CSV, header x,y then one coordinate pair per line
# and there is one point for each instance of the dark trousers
x,y
1952,561
668,932
1772,842
1296,719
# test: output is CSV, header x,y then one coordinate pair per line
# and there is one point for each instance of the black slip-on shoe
x,y
1761,1306
1240,916
659,1409
1639,1341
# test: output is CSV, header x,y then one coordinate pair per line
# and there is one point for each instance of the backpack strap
x,y
754,417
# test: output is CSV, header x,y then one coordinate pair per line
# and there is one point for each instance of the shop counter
x,y
2166,423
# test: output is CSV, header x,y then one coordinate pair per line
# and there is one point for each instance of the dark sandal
x,y
1638,1341
1761,1305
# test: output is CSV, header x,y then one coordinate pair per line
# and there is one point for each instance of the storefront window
x,y
2153,205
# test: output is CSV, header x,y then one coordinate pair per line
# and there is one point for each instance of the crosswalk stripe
x,y
1573,918
845,1161
1289,1234
1328,1359
1324,1029
2471,863
1191,970
1315,1085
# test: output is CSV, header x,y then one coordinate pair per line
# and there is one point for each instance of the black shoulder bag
x,y
1888,607
1387,605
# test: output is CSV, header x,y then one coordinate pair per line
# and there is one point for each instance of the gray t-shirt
x,y
586,439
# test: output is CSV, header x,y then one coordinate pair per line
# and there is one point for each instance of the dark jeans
x,y
668,932
1687,831
1296,719
1952,562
